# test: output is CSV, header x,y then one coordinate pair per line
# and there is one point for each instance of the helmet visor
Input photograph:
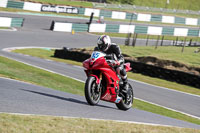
x,y
102,46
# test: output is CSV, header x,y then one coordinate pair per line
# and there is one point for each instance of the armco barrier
x,y
140,29
107,13
138,67
17,22
68,27
11,22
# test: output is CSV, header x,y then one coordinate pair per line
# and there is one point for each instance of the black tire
x,y
91,94
123,105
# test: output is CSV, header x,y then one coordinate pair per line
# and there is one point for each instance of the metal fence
x,y
143,8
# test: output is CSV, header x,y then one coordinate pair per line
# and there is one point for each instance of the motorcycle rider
x,y
104,45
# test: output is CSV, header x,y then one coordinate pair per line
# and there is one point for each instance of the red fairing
x,y
86,64
108,72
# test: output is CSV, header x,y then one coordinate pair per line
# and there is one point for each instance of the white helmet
x,y
103,42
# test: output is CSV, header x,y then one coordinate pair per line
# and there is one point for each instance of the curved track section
x,y
17,97
182,102
20,97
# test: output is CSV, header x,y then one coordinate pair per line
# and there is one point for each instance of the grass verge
x,y
48,54
40,124
64,2
15,70
3,28
19,71
188,57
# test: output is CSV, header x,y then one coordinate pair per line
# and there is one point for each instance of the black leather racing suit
x,y
115,50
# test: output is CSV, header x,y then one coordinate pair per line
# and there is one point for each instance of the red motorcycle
x,y
104,83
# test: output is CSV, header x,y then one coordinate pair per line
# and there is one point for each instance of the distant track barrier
x,y
11,22
114,28
100,12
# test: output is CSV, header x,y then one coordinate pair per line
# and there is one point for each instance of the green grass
x,y
48,54
49,124
174,4
2,28
162,111
174,53
65,2
164,83
15,70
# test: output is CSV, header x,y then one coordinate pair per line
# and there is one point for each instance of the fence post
x,y
190,43
134,39
127,41
161,44
90,21
147,40
157,42
176,40
184,45
173,42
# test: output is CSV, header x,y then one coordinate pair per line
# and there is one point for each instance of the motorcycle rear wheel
x,y
126,103
92,94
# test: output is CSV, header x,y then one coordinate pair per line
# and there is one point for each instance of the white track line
x,y
169,108
84,82
164,88
46,69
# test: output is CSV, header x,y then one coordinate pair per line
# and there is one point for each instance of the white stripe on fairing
x,y
95,119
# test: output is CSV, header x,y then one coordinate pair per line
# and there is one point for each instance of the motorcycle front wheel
x,y
92,92
127,101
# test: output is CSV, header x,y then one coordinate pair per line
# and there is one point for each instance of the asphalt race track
x,y
25,98
19,97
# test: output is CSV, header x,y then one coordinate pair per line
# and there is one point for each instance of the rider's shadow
x,y
65,99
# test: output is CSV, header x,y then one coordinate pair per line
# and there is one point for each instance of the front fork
x,y
98,81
